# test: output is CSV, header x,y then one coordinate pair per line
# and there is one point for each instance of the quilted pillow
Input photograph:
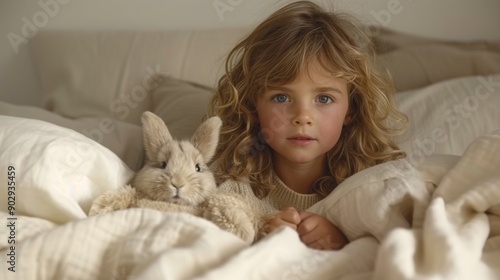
x,y
446,117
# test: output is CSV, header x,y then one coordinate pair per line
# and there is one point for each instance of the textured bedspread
x,y
438,221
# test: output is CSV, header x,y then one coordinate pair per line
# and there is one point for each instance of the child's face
x,y
301,121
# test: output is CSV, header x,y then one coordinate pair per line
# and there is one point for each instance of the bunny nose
x,y
177,186
177,181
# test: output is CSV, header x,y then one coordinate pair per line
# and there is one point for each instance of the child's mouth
x,y
301,140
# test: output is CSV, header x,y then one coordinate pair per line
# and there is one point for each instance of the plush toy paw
x,y
113,200
231,214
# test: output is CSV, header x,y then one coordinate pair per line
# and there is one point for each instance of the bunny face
x,y
176,171
177,174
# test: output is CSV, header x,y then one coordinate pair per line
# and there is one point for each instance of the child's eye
x,y
280,98
324,99
197,167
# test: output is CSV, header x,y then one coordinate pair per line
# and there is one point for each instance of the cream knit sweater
x,y
278,198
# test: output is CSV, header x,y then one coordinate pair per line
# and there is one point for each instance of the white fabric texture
x,y
58,172
427,230
403,223
446,117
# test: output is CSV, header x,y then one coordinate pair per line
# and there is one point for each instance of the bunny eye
x,y
163,164
197,167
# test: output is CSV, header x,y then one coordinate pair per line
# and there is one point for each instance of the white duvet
x,y
438,221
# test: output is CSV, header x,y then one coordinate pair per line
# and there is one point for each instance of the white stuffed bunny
x,y
176,178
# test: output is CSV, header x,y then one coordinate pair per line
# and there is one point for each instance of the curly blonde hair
x,y
274,54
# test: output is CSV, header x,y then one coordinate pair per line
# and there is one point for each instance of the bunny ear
x,y
155,133
206,137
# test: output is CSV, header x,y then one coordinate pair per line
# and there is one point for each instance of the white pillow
x,y
123,139
446,117
57,171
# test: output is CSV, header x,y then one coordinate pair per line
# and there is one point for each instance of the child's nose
x,y
302,115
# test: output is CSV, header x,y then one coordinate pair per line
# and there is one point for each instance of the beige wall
x,y
447,19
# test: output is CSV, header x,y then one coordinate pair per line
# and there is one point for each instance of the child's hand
x,y
287,217
319,233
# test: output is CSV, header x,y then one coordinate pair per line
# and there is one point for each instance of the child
x,y
303,108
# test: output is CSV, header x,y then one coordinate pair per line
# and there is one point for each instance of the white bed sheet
x,y
403,223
